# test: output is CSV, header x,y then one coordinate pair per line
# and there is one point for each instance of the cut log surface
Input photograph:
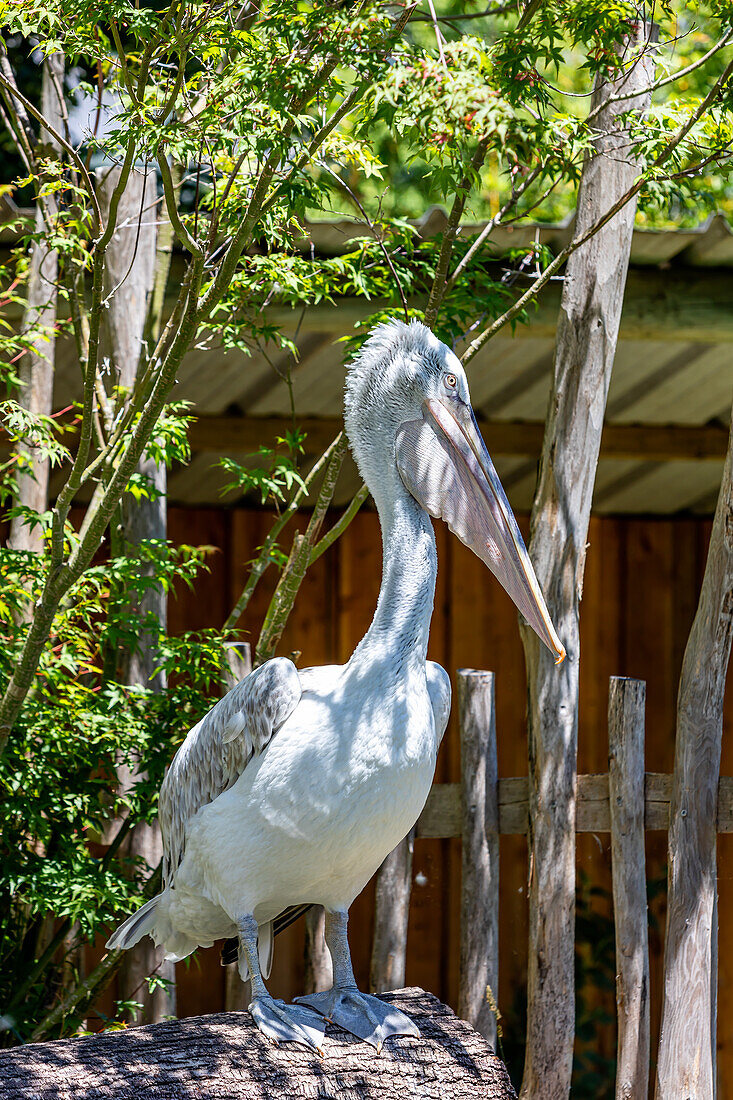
x,y
225,1056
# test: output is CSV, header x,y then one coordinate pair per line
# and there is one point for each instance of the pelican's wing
x,y
440,693
218,749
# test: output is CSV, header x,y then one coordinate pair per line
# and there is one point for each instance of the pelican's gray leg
x,y
275,1019
364,1016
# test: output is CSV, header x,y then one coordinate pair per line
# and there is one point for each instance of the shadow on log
x,y
224,1056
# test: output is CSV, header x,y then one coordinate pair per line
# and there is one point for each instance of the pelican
x,y
296,785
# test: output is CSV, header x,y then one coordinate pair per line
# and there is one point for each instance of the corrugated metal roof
x,y
707,245
673,366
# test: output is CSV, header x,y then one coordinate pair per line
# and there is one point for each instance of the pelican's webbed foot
x,y
288,1023
364,1016
278,1021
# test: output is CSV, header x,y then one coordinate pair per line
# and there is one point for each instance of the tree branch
x,y
264,558
562,256
292,575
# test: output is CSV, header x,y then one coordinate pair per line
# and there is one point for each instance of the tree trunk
x,y
37,365
587,333
685,1066
129,278
224,1057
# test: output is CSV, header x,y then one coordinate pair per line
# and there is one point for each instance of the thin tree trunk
x,y
685,1065
586,344
129,278
37,365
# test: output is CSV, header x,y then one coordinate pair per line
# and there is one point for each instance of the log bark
x,y
478,991
587,334
626,798
129,277
685,1064
224,1056
391,917
37,366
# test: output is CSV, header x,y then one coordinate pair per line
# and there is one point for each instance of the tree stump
x,y
224,1057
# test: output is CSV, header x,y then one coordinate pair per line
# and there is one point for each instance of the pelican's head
x,y
407,405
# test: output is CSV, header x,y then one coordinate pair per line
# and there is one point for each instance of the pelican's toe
x,y
288,1023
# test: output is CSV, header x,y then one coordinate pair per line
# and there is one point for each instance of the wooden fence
x,y
624,802
641,589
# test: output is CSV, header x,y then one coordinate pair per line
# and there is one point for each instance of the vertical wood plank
x,y
626,797
484,634
685,1061
480,853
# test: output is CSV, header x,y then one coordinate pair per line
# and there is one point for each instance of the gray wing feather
x,y
219,747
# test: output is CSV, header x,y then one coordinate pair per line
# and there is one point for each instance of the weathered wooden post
x,y
479,976
237,994
318,968
587,333
626,700
685,1064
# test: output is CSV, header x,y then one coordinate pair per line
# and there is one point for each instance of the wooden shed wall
x,y
641,585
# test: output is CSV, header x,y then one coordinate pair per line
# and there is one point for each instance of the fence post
x,y
479,973
391,913
318,968
236,992
626,700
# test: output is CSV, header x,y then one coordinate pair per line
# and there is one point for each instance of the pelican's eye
x,y
451,381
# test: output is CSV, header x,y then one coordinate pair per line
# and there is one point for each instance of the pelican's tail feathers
x,y
139,924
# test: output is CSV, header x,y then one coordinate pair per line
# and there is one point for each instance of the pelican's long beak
x,y
444,463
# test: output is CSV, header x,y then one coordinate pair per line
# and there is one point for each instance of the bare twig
x,y
373,230
438,289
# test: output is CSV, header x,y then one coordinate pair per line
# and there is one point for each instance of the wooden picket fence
x,y
624,802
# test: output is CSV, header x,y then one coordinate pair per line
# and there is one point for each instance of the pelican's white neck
x,y
401,624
